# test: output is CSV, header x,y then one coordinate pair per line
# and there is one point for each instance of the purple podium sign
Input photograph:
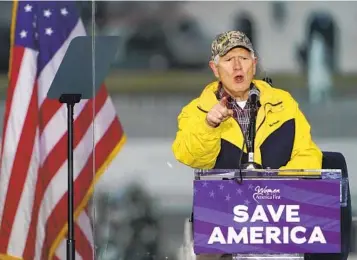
x,y
266,216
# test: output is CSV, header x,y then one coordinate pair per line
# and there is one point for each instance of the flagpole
x,y
70,100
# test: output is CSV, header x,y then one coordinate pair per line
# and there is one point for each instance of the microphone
x,y
253,96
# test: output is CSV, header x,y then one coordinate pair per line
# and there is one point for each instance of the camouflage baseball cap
x,y
226,41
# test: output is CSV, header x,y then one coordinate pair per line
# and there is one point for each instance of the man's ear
x,y
214,68
255,62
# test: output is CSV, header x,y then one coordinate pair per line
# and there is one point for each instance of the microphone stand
x,y
248,139
251,134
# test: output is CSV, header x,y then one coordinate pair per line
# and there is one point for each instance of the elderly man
x,y
211,128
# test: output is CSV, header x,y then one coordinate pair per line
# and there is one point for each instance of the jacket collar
x,y
208,97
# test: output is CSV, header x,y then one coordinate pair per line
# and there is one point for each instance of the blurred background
x,y
306,48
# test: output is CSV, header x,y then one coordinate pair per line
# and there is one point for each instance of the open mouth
x,y
238,79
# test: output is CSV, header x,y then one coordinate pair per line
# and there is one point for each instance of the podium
x,y
264,213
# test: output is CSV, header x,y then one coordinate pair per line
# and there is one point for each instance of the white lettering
x,y
240,213
286,235
294,238
292,213
272,234
267,235
317,236
276,215
256,235
216,236
259,214
232,235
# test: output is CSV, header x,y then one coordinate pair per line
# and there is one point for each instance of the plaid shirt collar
x,y
241,115
220,93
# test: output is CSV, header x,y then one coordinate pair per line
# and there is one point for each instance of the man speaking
x,y
214,129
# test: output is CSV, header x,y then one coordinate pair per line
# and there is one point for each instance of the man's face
x,y
235,70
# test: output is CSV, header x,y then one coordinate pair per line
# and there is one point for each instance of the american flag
x,y
33,177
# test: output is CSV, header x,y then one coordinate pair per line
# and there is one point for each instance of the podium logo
x,y
265,193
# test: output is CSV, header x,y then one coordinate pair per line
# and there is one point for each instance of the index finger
x,y
224,101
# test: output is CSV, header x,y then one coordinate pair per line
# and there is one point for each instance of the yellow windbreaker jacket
x,y
283,139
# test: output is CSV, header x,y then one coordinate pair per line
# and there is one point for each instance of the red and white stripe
x,y
33,179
